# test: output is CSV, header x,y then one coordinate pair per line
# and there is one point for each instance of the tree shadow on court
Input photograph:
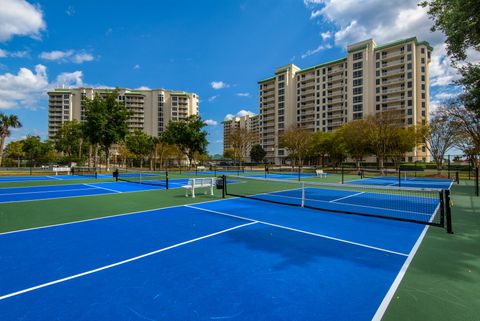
x,y
289,248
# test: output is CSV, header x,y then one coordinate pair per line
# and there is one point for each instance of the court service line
x,y
300,231
121,262
53,177
348,196
99,187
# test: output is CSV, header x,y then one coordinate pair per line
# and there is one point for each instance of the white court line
x,y
53,177
393,288
342,198
99,187
299,231
110,216
121,262
54,191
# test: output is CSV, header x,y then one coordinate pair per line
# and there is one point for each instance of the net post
x,y
399,176
343,177
303,194
442,208
448,212
224,183
166,180
299,173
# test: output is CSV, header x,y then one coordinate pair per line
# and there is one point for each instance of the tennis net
x,y
143,177
424,206
403,175
84,171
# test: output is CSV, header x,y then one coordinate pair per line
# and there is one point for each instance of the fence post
x,y
457,177
476,181
224,182
448,212
448,168
399,176
166,180
343,180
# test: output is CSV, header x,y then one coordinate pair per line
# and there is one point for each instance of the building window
x,y
357,55
357,65
409,47
281,77
357,74
357,82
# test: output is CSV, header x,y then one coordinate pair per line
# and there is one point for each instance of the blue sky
x,y
218,49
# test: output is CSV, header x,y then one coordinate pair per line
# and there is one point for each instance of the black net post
x,y
299,173
448,167
166,180
448,212
343,177
399,176
476,182
442,209
224,189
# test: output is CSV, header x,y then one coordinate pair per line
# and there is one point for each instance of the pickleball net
x,y
156,178
426,206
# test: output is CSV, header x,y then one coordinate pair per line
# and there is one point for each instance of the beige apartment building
x,y
249,122
151,110
370,79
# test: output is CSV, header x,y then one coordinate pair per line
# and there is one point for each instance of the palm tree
x,y
7,122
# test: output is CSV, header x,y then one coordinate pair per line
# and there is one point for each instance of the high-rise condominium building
x,y
370,79
151,109
248,122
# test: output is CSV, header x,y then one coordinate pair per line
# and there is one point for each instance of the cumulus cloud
x,y
143,88
211,122
243,94
219,85
20,18
23,88
241,113
385,21
60,56
27,87
137,66
326,35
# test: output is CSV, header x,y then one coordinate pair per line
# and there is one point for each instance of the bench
x,y
320,173
63,169
201,168
199,183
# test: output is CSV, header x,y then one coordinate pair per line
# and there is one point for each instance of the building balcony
x,y
335,71
393,81
335,101
393,63
394,90
335,86
392,55
333,79
393,73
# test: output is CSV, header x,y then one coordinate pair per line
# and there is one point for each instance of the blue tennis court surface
x,y
235,259
33,193
421,182
5,179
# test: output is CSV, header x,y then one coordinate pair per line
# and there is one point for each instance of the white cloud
x,y
20,18
315,51
326,35
137,66
386,21
24,88
211,122
213,98
143,88
241,113
76,57
70,11
15,54
243,94
70,79
219,85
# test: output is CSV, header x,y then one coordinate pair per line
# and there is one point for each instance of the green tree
x,y
14,150
105,121
460,21
6,122
257,153
355,139
140,145
69,140
298,142
38,152
229,153
188,135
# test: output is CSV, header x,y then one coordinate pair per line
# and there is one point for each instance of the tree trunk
x,y
107,158
90,153
2,141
